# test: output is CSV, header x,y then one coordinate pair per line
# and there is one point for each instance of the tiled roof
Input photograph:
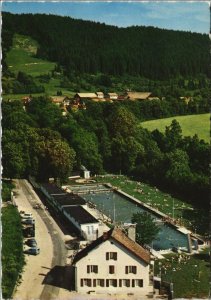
x,y
80,215
58,99
120,238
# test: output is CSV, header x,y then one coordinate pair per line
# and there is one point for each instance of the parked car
x,y
27,216
28,221
31,243
32,251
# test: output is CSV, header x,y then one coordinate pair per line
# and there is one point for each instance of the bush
x,y
12,249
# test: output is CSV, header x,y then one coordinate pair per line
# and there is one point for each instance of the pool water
x,y
120,209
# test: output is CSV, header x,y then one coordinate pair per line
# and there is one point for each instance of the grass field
x,y
21,57
189,274
191,124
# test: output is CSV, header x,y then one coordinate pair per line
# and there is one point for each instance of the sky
x,y
185,16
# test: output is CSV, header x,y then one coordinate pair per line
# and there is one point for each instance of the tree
x,y
146,228
56,158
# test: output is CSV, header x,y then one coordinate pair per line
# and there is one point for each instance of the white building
x,y
113,264
83,221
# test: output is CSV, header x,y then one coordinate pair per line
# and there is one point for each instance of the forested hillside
x,y
89,47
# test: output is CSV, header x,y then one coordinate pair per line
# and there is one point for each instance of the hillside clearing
x,y
191,124
21,57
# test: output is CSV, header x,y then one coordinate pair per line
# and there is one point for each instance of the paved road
x,y
53,247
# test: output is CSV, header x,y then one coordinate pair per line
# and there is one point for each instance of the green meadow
x,y
21,57
191,124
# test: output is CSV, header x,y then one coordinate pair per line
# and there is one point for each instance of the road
x,y
40,278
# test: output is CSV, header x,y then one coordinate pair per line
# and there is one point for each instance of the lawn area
x,y
21,57
189,274
191,124
185,214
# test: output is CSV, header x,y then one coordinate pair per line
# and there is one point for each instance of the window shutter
x,y
120,282
107,282
126,269
115,255
82,282
107,255
133,282
88,269
134,269
94,282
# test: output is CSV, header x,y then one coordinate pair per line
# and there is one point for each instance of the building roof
x,y
58,99
69,199
113,94
81,215
117,235
99,93
138,95
53,189
86,95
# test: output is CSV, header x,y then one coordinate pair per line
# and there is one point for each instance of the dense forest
x,y
90,47
104,137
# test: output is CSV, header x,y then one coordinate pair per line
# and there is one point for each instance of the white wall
x,y
124,258
88,231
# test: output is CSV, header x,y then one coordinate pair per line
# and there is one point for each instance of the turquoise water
x,y
120,209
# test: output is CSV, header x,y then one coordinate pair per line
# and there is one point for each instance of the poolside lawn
x,y
189,274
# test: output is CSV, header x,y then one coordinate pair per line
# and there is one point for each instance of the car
x,y
31,243
26,216
32,251
28,221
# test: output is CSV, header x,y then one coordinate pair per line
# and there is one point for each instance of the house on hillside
x,y
137,95
113,263
113,96
87,225
60,100
100,95
80,97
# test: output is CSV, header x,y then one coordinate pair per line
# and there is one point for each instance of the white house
x,y
113,96
113,264
100,95
83,221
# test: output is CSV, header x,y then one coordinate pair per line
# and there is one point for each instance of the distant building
x,y
67,200
85,173
137,95
100,95
113,96
84,96
60,100
113,264
83,221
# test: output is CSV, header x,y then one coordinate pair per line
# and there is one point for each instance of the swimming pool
x,y
120,209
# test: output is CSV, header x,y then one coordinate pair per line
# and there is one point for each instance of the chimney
x,y
105,235
131,230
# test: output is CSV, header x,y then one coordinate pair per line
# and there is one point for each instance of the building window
x,y
86,282
126,282
130,269
92,269
113,282
139,282
111,269
100,282
111,255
